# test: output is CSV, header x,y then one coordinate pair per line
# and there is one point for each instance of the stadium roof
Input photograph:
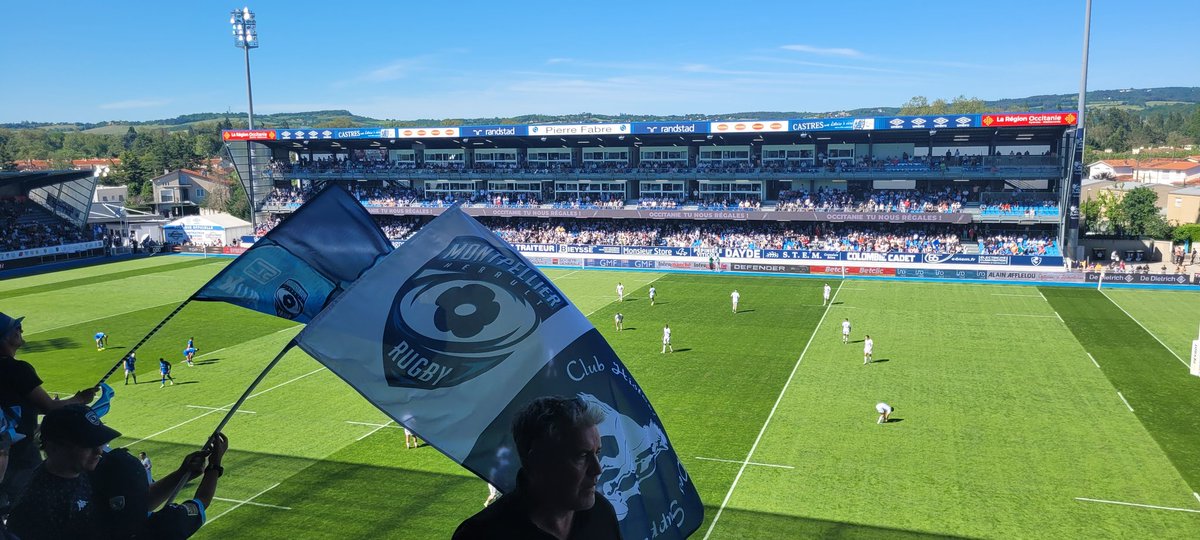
x,y
939,130
28,180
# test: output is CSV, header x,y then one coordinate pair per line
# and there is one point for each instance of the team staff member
x,y
23,398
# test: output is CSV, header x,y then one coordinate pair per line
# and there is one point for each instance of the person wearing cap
x,y
124,498
22,397
58,501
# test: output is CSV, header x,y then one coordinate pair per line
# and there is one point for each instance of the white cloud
x,y
135,104
824,51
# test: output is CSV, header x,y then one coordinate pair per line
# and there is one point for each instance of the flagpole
x,y
237,405
143,341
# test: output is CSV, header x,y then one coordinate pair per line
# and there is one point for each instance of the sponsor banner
x,y
750,126
361,133
536,248
1067,118
50,250
426,132
578,129
1021,275
309,134
682,265
863,217
769,268
945,121
1156,279
669,128
831,124
853,270
248,135
619,263
941,274
1076,186
494,131
233,250
801,255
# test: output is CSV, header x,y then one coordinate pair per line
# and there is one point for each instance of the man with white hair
x,y
559,447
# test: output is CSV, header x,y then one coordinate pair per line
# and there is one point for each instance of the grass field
x,y
1007,408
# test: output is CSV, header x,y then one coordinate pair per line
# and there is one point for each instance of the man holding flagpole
x,y
559,448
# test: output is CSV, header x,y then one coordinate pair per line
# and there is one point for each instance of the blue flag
x,y
292,271
455,332
104,403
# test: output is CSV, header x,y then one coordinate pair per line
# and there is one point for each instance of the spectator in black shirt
x,y
58,502
22,396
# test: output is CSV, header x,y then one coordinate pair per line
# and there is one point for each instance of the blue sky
x,y
122,60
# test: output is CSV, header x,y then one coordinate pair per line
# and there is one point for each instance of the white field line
x,y
39,331
763,431
1125,401
239,411
1039,291
1092,359
1138,505
1139,323
377,428
746,462
202,415
238,505
372,424
1039,295
1060,319
1196,495
252,503
1028,315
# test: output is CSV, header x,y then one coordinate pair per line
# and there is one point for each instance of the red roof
x,y
1119,162
1170,165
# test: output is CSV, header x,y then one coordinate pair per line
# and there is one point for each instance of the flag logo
x,y
290,298
461,314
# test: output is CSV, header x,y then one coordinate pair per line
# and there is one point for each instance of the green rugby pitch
x,y
1008,417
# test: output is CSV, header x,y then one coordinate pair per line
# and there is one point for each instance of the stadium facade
x,y
1010,172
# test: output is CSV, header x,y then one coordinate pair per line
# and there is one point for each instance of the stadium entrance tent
x,y
207,229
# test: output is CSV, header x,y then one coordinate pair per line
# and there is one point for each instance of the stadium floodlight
x,y
245,37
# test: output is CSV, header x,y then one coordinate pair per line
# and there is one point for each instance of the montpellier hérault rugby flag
x,y
294,269
455,332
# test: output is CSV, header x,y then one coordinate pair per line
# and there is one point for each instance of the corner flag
x,y
455,332
294,270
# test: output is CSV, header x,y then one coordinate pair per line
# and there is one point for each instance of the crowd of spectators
x,y
819,163
755,235
1018,244
746,203
944,200
25,229
1044,208
660,203
590,202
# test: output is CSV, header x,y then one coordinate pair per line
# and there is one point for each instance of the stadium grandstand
x,y
964,186
45,218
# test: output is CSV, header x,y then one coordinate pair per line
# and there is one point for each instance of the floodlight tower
x,y
245,37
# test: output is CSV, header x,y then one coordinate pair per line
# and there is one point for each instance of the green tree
x,y
1188,232
129,138
915,106
1140,209
1091,210
239,203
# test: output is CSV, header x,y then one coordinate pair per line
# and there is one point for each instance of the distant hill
x,y
1144,101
